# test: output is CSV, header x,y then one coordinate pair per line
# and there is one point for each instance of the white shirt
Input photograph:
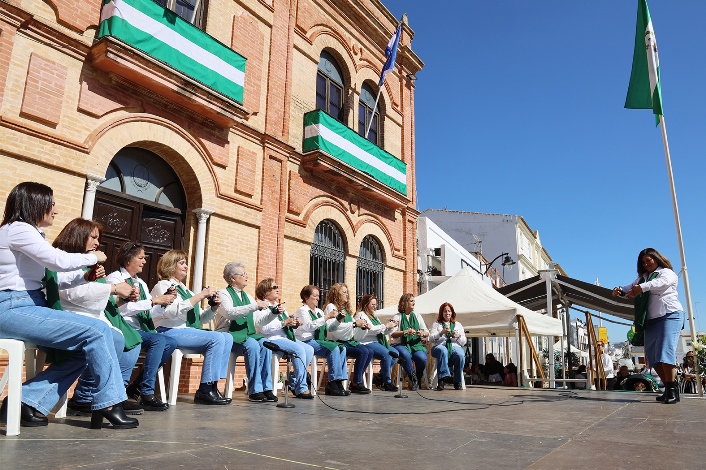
x,y
228,311
88,299
342,331
306,331
607,365
662,293
371,334
274,329
436,338
24,254
397,318
129,309
174,314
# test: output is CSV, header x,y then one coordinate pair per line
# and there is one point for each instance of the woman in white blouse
x,y
312,331
409,338
182,319
376,339
24,255
448,338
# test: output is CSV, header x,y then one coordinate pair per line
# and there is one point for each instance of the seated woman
x,y
348,331
24,255
92,299
477,374
240,316
581,374
281,332
448,338
510,379
181,320
407,338
312,331
376,339
137,312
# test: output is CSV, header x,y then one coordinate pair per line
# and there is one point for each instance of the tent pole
x,y
550,347
518,345
563,362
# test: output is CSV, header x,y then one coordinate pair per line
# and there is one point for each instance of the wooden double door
x,y
129,219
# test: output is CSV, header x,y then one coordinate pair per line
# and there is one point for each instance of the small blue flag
x,y
391,54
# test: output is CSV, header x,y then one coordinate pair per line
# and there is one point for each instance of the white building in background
x,y
493,235
440,256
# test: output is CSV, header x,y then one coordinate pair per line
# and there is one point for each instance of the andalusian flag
x,y
644,91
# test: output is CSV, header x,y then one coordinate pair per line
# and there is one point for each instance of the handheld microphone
x,y
275,348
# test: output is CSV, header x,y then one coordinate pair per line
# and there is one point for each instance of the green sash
x,y
288,330
449,337
244,327
320,334
51,286
382,337
638,337
112,314
144,318
193,316
349,319
412,342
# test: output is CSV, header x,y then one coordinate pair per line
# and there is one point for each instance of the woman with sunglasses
x,y
137,310
24,257
281,332
181,320
376,339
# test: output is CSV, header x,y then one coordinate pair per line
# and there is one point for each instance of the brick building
x,y
159,154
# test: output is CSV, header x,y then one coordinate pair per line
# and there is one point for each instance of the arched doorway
x,y
140,200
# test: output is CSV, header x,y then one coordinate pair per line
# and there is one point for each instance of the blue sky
x,y
519,110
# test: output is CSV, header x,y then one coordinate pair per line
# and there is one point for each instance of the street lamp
x,y
506,262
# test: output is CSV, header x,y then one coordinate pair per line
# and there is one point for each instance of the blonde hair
x,y
335,297
166,266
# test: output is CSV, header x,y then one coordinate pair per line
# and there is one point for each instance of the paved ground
x,y
481,427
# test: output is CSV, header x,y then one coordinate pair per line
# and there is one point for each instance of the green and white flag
x,y
322,132
644,91
162,34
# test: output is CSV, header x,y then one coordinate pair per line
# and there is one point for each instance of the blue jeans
x,y
387,362
23,316
258,364
214,345
305,353
458,358
158,349
419,358
335,360
83,393
362,355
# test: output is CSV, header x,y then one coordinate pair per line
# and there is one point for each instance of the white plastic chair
x,y
231,374
17,352
177,356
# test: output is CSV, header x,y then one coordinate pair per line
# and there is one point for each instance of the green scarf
x,y
144,318
412,342
382,337
112,314
449,337
51,286
349,319
637,338
193,316
288,330
320,334
244,327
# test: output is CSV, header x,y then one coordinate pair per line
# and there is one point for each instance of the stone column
x,y
89,197
202,216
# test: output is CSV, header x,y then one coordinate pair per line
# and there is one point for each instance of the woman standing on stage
x,y
376,339
409,337
181,320
655,291
24,256
448,339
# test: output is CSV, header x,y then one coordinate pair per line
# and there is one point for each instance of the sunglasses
x,y
274,287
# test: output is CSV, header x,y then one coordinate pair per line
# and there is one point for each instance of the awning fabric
x,y
481,309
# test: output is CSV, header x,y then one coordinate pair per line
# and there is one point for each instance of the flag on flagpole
x,y
391,54
644,91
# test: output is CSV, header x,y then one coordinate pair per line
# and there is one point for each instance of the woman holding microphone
x,y
376,339
448,338
409,337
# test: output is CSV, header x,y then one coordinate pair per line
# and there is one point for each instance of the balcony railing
x,y
140,40
345,155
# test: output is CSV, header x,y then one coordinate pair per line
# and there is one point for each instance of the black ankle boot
x,y
116,416
419,379
670,394
28,415
413,383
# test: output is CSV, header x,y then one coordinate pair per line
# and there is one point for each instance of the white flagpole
x,y
367,131
687,291
196,8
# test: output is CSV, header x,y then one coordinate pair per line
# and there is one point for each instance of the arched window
x,y
328,258
370,271
365,114
329,86
185,9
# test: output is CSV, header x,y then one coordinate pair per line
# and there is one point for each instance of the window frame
x,y
199,20
372,268
327,258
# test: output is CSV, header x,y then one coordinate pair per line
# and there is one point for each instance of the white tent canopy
x,y
481,309
575,350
